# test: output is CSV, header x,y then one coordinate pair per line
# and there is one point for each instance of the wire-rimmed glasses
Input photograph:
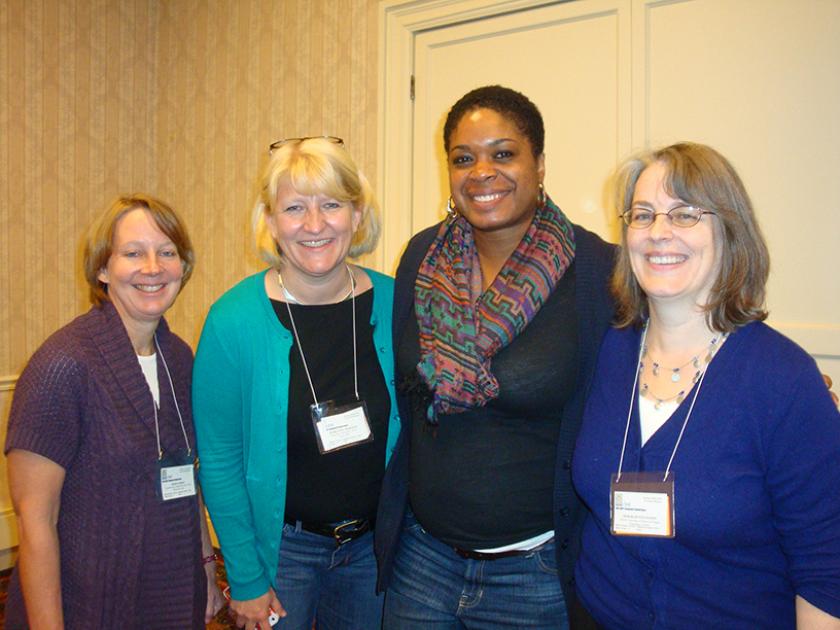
x,y
684,216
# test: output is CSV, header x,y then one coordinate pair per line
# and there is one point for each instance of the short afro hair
x,y
503,100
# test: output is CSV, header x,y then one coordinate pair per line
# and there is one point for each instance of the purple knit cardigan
x,y
83,402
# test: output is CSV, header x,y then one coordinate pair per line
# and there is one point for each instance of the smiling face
x,y
144,270
314,233
672,265
493,174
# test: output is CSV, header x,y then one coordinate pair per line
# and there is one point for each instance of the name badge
x,y
338,427
642,504
176,476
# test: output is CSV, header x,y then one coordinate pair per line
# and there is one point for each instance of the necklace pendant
x,y
675,375
657,404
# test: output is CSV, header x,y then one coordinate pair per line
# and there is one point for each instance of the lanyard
x,y
177,408
633,398
300,347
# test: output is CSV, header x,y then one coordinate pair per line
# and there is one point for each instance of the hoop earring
x,y
451,210
541,198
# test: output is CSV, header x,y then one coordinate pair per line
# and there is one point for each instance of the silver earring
x,y
541,198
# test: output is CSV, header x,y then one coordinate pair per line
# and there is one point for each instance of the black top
x,y
593,266
485,478
345,483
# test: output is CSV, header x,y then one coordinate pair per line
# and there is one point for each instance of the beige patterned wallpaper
x,y
179,98
233,78
77,84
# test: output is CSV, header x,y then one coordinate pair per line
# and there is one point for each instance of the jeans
x,y
432,588
332,586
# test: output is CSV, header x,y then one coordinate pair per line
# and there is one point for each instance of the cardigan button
x,y
564,544
564,511
566,464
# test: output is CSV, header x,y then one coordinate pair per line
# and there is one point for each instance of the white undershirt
x,y
651,418
522,545
149,366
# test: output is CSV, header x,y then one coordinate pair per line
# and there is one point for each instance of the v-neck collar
x,y
114,347
660,444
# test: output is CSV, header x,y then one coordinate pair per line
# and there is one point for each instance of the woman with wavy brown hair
x,y
710,449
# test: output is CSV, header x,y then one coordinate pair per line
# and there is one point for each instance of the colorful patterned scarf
x,y
459,335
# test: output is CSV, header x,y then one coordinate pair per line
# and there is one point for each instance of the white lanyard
x,y
177,408
300,348
633,398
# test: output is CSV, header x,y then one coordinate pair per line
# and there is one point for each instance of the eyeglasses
x,y
679,216
280,143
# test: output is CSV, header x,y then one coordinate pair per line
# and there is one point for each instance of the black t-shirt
x,y
485,478
345,483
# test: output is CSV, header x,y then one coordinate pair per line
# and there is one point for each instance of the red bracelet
x,y
213,557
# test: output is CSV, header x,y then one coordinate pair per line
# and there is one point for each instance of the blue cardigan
x,y
757,499
593,265
240,402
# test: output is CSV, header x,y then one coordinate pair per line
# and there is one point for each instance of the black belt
x,y
342,531
469,554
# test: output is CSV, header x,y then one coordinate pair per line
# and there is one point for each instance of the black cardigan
x,y
594,260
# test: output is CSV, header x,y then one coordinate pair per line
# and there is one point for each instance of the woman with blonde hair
x,y
294,401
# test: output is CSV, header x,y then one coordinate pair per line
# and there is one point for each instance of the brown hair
x,y
100,239
700,176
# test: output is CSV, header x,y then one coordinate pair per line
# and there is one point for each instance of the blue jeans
x,y
432,588
332,586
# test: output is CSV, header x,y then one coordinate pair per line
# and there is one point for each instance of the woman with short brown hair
x,y
101,448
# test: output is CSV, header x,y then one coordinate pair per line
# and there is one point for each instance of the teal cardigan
x,y
240,403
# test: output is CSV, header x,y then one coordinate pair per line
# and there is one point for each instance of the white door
x,y
758,79
567,59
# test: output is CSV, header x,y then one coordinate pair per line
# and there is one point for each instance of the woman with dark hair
x,y
710,449
101,449
498,314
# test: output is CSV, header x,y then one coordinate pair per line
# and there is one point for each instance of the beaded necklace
x,y
696,361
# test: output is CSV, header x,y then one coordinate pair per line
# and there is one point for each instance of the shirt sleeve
x,y
48,406
803,475
218,413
